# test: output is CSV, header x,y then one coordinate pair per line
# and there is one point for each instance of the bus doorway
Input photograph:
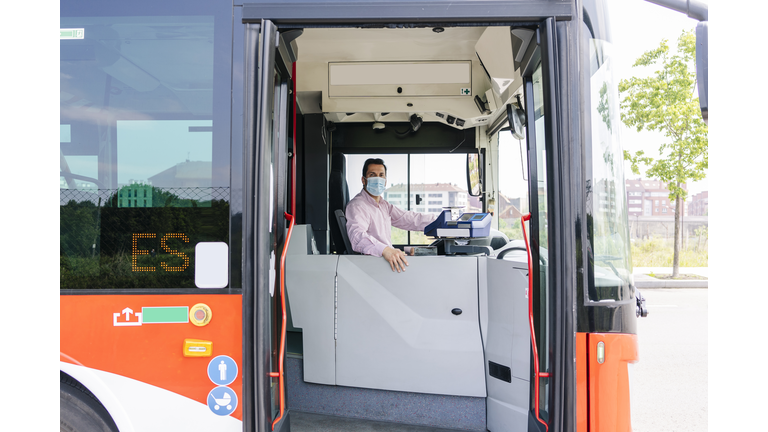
x,y
453,333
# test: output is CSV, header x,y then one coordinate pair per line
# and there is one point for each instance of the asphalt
x,y
643,281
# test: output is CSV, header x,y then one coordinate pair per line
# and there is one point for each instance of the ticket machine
x,y
457,233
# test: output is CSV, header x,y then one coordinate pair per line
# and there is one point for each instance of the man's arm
x,y
410,220
358,222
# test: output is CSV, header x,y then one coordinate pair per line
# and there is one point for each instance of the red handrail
x,y
536,373
292,220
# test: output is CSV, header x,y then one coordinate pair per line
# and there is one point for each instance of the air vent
x,y
498,371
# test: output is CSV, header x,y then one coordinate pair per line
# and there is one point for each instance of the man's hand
x,y
395,258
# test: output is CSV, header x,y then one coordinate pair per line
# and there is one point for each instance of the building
x,y
650,197
432,198
508,208
190,180
604,196
189,174
699,204
78,184
135,194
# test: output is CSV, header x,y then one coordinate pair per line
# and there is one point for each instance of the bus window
x,y
144,156
439,181
513,185
397,181
539,230
424,183
607,217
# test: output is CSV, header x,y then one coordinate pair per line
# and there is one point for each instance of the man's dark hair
x,y
372,161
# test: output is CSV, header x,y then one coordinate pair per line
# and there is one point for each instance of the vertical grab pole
x,y
292,220
536,373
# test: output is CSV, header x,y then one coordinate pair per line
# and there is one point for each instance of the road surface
x,y
669,383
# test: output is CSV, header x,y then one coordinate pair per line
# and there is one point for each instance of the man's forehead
x,y
376,168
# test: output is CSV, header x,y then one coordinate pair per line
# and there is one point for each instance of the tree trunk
x,y
678,235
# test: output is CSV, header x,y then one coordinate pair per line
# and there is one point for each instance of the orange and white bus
x,y
208,150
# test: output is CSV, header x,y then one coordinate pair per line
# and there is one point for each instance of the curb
x,y
658,283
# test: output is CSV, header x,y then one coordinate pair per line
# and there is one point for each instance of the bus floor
x,y
310,422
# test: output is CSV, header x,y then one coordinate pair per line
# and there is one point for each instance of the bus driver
x,y
370,218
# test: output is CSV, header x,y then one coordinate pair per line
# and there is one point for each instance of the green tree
x,y
666,102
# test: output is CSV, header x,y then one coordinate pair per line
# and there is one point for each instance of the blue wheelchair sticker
x,y
222,401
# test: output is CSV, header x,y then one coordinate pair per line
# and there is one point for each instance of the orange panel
x,y
609,381
581,382
152,353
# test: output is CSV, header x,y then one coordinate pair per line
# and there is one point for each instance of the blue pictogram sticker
x,y
222,370
222,401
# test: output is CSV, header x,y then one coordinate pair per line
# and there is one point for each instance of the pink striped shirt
x,y
369,224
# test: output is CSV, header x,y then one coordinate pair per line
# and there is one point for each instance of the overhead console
x,y
462,77
399,79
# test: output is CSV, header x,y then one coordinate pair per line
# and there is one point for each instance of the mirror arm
x,y
524,117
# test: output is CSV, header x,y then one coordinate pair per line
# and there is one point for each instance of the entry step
x,y
309,422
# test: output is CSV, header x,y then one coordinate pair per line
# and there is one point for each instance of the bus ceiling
x,y
462,77
380,13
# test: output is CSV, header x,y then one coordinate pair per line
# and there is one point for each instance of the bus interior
x,y
446,343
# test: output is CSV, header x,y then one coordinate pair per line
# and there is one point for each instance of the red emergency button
x,y
200,314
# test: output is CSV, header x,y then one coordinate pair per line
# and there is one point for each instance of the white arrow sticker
x,y
127,320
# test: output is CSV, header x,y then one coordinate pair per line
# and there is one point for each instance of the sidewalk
x,y
642,280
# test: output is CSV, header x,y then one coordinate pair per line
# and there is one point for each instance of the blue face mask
x,y
375,185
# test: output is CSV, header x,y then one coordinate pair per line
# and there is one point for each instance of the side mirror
x,y
699,11
516,119
474,174
702,66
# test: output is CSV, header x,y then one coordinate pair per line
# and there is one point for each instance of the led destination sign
x,y
136,252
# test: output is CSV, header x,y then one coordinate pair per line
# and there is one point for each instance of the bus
x,y
208,149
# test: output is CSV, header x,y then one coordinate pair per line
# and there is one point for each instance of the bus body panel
x,y
609,381
136,406
151,353
581,382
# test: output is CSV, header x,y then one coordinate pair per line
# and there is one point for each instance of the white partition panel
x,y
397,331
508,343
309,287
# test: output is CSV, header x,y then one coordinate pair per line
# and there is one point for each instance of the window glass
x,y
609,228
540,219
397,183
434,182
144,143
513,185
438,182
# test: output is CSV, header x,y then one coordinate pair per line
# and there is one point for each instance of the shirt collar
x,y
370,199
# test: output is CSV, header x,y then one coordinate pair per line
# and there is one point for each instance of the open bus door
x,y
268,66
553,331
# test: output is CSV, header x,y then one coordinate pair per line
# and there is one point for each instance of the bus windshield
x,y
608,221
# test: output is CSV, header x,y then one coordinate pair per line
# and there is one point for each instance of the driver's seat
x,y
346,246
338,197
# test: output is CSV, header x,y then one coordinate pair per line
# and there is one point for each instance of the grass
x,y
660,253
